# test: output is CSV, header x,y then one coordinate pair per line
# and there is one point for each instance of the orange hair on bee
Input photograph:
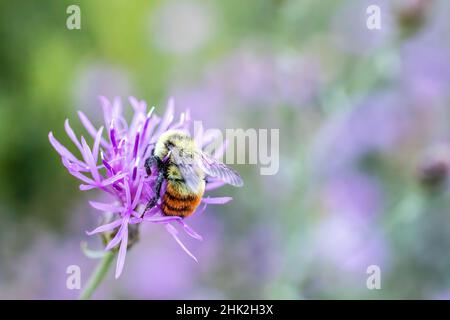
x,y
177,204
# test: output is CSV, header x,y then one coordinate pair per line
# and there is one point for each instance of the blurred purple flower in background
x,y
256,75
434,167
100,79
50,255
207,101
348,238
116,166
375,124
252,76
299,78
425,71
353,195
349,245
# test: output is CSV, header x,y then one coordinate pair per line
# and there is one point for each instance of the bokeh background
x,y
364,144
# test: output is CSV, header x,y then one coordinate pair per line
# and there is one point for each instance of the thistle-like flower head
x,y
115,165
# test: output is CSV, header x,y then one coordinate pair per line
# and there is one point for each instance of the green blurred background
x,y
364,132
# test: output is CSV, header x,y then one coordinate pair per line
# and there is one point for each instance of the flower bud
x,y
433,170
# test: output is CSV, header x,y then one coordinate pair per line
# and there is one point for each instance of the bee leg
x,y
150,204
155,198
149,163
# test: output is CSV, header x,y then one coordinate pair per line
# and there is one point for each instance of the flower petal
x,y
122,252
167,119
63,152
218,154
138,105
85,187
199,136
72,135
113,179
117,108
81,177
174,233
146,123
149,138
106,227
200,211
137,195
106,207
162,219
127,193
107,111
136,144
88,157
210,137
90,128
118,237
190,231
217,200
97,143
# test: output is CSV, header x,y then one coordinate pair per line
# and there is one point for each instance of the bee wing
x,y
217,169
188,168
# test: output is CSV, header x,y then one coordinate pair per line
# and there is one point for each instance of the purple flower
x,y
99,78
115,165
425,72
352,194
349,136
349,244
252,76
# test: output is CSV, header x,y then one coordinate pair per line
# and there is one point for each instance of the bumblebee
x,y
185,168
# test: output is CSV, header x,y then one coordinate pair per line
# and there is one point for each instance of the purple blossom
x,y
352,194
99,78
115,165
425,72
376,123
349,244
252,76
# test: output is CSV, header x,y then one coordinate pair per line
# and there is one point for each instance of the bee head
x,y
172,140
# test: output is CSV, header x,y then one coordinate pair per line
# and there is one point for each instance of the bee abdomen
x,y
179,197
176,204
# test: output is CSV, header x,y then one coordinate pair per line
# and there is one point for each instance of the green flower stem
x,y
97,277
